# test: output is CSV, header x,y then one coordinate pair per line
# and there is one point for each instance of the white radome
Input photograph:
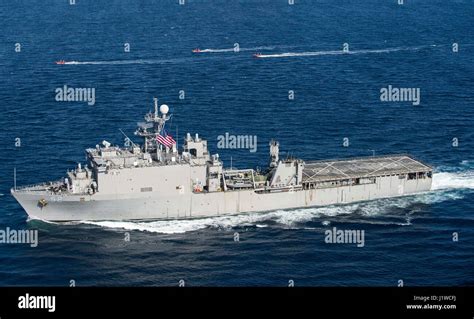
x,y
164,108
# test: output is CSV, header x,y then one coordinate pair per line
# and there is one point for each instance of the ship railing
x,y
39,186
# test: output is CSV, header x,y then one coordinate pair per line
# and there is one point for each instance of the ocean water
x,y
336,96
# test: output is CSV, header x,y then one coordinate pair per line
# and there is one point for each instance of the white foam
x,y
183,226
216,50
456,180
36,218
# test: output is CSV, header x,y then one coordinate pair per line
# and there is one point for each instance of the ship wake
x,y
447,186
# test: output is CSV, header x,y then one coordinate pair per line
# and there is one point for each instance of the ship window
x,y
429,174
146,189
411,176
193,151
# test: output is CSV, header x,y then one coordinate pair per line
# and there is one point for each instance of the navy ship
x,y
156,181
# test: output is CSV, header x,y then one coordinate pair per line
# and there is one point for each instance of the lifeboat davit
x,y
197,50
60,62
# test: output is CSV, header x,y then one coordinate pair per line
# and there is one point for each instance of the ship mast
x,y
155,122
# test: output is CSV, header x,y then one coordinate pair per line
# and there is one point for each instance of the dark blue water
x,y
336,97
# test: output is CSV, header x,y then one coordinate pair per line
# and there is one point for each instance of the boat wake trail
x,y
235,50
341,52
446,187
123,62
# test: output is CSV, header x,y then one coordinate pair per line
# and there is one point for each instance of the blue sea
x,y
425,44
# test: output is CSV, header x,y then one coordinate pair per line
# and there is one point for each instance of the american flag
x,y
165,139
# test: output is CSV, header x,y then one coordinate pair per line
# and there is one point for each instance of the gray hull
x,y
188,204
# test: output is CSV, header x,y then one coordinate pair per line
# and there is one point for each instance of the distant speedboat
x,y
197,50
60,62
257,55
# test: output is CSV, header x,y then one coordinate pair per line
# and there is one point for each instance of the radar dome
x,y
164,108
